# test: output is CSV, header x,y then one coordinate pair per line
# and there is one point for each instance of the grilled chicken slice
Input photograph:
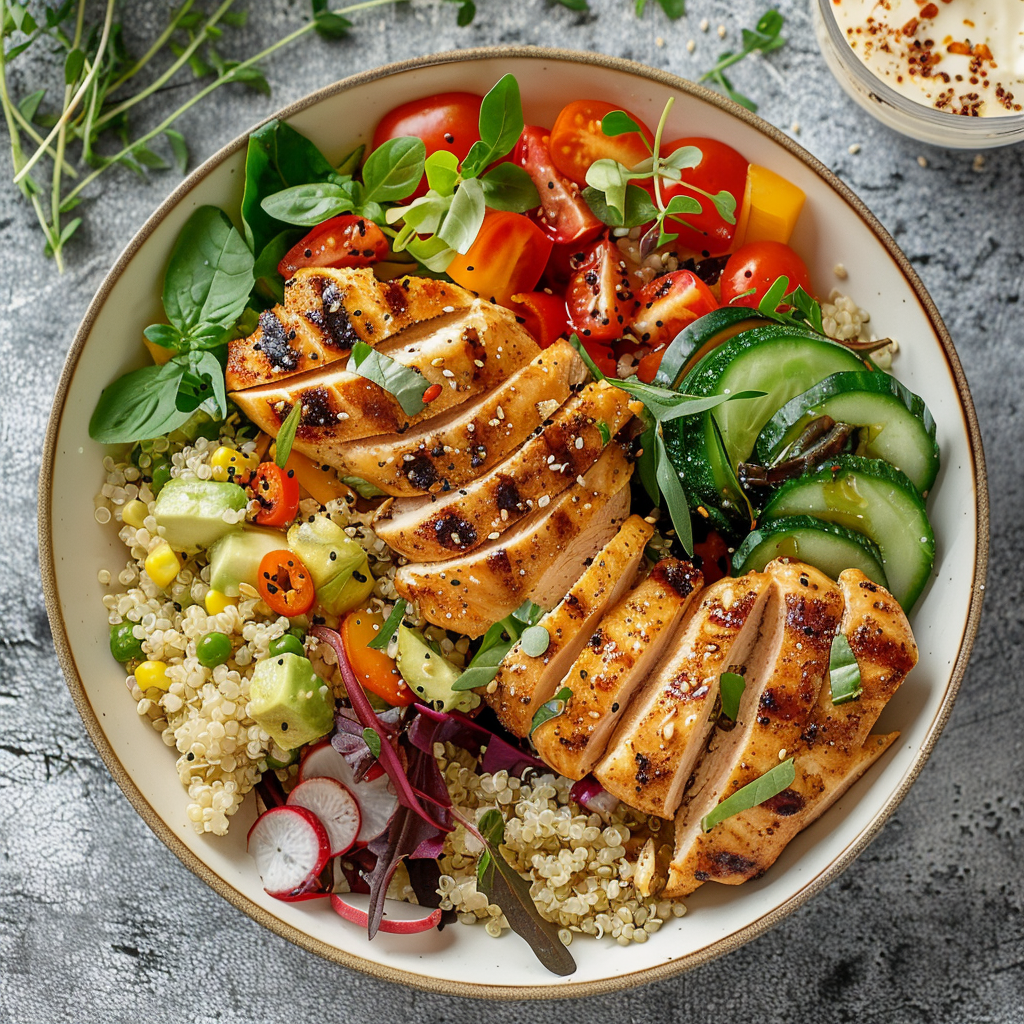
x,y
523,682
628,641
783,677
450,450
433,528
325,313
835,748
473,591
465,353
665,729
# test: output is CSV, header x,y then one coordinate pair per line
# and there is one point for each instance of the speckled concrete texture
x,y
99,922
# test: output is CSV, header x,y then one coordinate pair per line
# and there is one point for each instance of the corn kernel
x,y
162,565
152,674
231,464
216,602
134,513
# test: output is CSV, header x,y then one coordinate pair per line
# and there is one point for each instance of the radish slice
x,y
400,918
334,805
376,802
290,847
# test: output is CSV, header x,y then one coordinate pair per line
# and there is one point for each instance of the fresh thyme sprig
x,y
763,38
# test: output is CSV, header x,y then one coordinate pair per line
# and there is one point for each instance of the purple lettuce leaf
x,y
349,738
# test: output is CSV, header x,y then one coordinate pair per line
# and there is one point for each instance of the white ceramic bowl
x,y
834,227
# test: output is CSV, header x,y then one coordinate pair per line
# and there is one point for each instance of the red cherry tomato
x,y
577,140
563,214
507,257
721,169
668,304
600,294
345,241
277,492
756,266
714,554
448,121
285,584
543,315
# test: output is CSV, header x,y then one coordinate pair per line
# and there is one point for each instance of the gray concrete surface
x,y
99,922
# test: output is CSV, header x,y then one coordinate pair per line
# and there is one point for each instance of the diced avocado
x,y
191,512
338,565
290,701
430,675
236,558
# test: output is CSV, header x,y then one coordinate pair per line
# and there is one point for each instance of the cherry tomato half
x,y
285,584
563,214
577,140
448,121
508,256
277,491
345,241
721,169
668,304
374,669
714,555
543,315
756,266
600,295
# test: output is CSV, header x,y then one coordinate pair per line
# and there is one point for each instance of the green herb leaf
x,y
30,104
672,489
165,336
772,298
394,620
269,282
496,643
402,382
575,5
394,170
465,217
361,487
675,9
618,122
682,204
764,37
639,207
442,170
73,64
604,430
535,641
179,147
286,435
501,124
350,164
731,686
843,671
611,178
140,405
772,783
683,159
550,709
309,205
508,187
328,24
372,739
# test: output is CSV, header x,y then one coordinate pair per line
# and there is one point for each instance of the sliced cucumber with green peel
x,y
894,424
700,337
872,498
827,546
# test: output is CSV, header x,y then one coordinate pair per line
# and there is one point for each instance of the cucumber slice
x,y
698,338
873,498
827,546
895,425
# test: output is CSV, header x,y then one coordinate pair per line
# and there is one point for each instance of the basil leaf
x,y
286,435
550,709
309,205
140,405
843,671
372,739
209,275
508,187
393,170
351,163
496,643
731,686
675,497
442,170
463,221
432,253
165,336
269,282
639,208
618,122
394,620
205,375
501,124
402,382
423,216
772,783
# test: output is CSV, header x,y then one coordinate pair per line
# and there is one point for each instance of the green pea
x,y
214,649
124,645
287,644
161,474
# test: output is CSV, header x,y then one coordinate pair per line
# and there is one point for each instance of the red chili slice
x,y
285,584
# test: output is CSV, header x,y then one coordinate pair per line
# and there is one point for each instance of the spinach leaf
x,y
393,170
508,187
269,284
309,205
404,383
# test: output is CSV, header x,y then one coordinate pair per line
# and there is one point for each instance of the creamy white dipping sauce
x,y
962,56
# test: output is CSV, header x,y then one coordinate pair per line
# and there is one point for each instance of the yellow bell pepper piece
x,y
152,674
159,354
134,513
162,565
216,602
233,465
771,206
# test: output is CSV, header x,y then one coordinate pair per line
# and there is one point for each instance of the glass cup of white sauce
x,y
948,72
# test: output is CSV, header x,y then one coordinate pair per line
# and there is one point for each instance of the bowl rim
x,y
557,989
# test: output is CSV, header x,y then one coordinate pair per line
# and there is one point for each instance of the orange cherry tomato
x,y
344,241
285,584
508,256
668,304
577,140
600,295
543,315
375,671
754,267
277,492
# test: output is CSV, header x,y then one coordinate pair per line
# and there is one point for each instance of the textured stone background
x,y
925,926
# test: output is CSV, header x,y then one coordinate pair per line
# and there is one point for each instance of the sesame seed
x,y
543,501
853,149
